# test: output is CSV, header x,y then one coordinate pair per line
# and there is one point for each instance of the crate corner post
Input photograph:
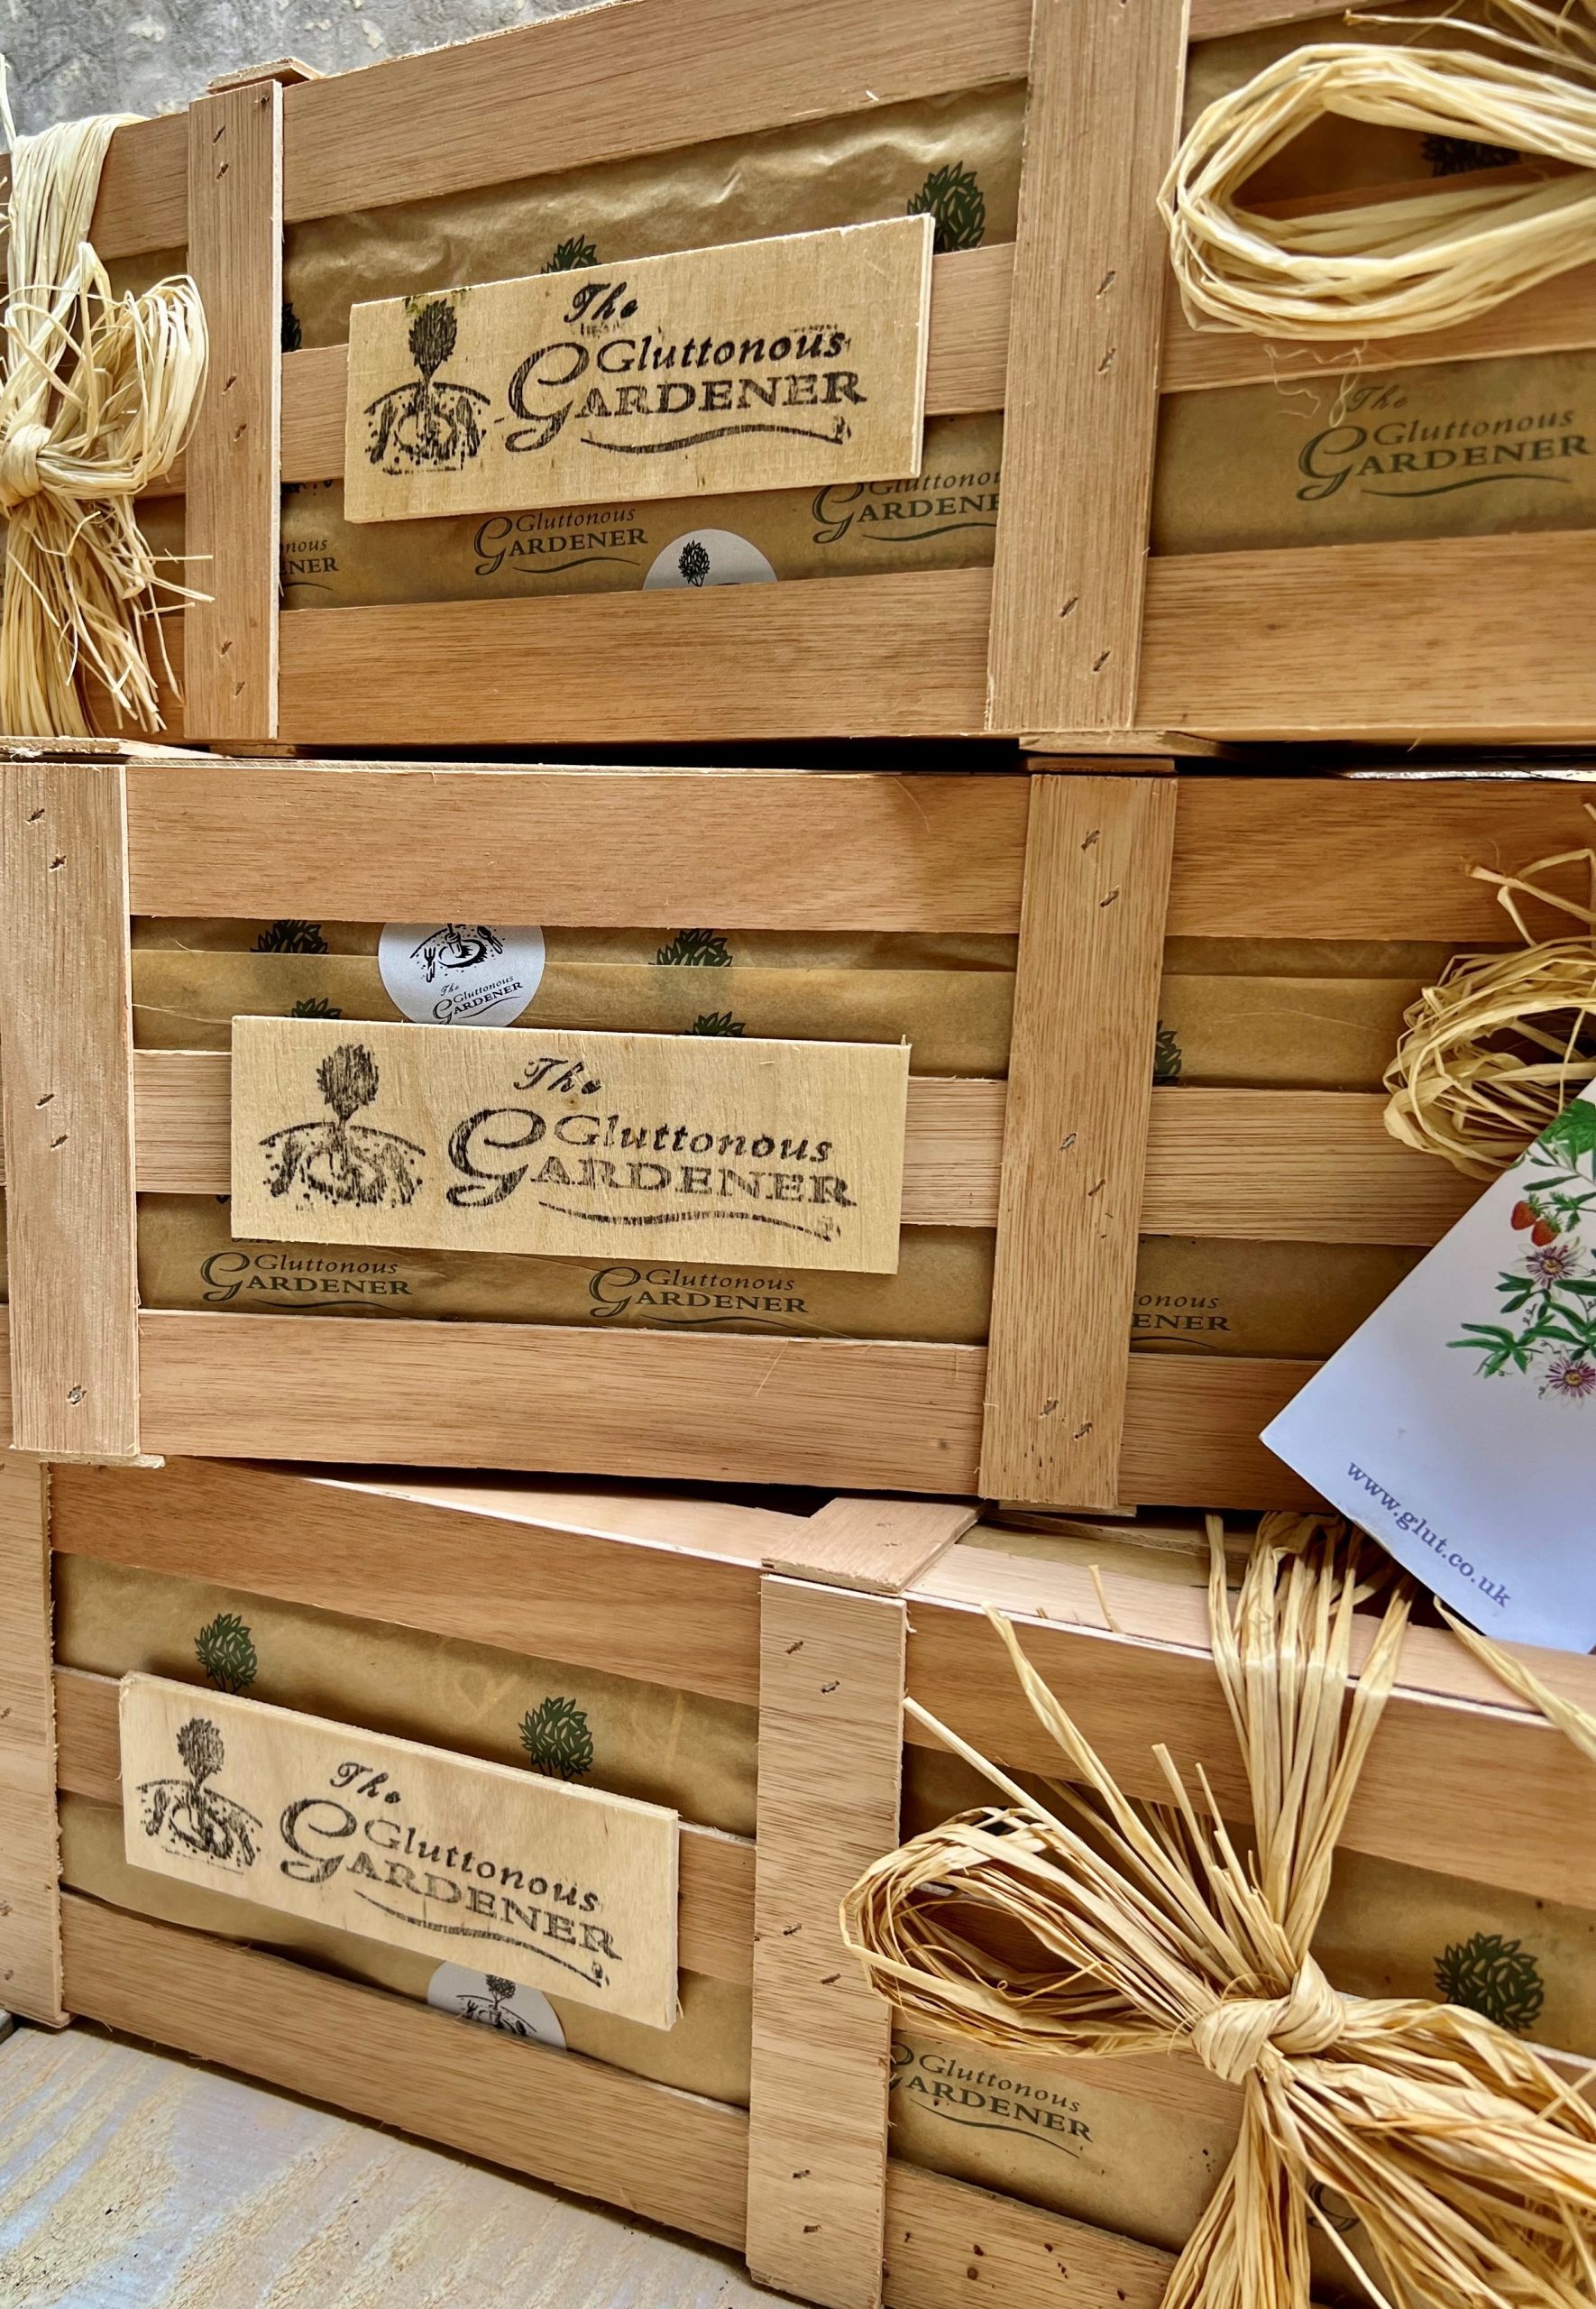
x,y
30,1840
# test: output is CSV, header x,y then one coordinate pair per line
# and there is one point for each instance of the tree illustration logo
x,y
314,1006
225,1652
1166,1061
431,423
494,2011
557,1740
1497,1977
570,257
717,1021
291,938
953,197
341,1161
696,950
694,561
456,946
188,1815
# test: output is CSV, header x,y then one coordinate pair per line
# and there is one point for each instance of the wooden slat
x,y
30,1853
1090,265
1086,1005
1192,1424
776,850
473,1569
831,1763
968,350
871,1415
1557,316
666,2155
1311,1166
1419,1800
572,90
1362,858
143,197
1443,640
67,1023
231,466
895,656
716,1926
937,2231
878,1546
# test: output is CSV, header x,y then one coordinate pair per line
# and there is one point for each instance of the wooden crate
x,y
820,1621
1072,1159
1074,631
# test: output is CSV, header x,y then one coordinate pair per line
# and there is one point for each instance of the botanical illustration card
x,y
1458,1425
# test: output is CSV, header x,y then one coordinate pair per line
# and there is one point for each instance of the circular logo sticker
x,y
709,557
460,973
493,2000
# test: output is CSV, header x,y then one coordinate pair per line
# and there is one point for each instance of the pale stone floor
x,y
130,2181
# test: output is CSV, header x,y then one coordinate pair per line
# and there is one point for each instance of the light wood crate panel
x,y
1349,858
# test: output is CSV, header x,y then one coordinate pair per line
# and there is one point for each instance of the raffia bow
x,y
1389,268
97,401
1472,2170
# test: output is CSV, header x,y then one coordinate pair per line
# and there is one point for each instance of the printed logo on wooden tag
x,y
559,1888
764,365
568,1145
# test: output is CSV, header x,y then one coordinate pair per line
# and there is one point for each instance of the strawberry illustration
x,y
1542,1232
1524,1215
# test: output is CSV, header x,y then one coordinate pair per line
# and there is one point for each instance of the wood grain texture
x,y
232,464
1443,640
1085,1008
830,1764
966,359
1192,1423
1419,1800
1089,263
1557,316
30,1847
895,656
1366,858
666,2155
672,73
471,1567
773,850
67,1025
715,1922
142,202
937,2231
865,1416
879,1546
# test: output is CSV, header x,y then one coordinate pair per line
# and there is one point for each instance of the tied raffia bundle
x,y
97,400
1407,264
1493,1052
1144,1930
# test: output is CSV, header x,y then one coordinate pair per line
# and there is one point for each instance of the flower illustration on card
x,y
1546,1318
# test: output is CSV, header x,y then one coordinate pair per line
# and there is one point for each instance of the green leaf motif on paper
x,y
226,1653
1166,1055
1497,1977
954,198
571,255
696,948
557,1740
717,1021
291,938
1545,1325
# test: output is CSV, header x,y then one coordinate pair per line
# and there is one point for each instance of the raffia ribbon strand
x,y
1472,2170
97,401
1394,267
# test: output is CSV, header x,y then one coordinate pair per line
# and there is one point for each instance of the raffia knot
x,y
20,477
1232,2038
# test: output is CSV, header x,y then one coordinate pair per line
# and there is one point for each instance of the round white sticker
x,y
494,2000
460,973
709,557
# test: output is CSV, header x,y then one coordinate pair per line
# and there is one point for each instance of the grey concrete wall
x,y
71,57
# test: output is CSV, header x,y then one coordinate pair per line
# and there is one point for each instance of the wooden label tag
x,y
563,1888
765,364
509,1139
